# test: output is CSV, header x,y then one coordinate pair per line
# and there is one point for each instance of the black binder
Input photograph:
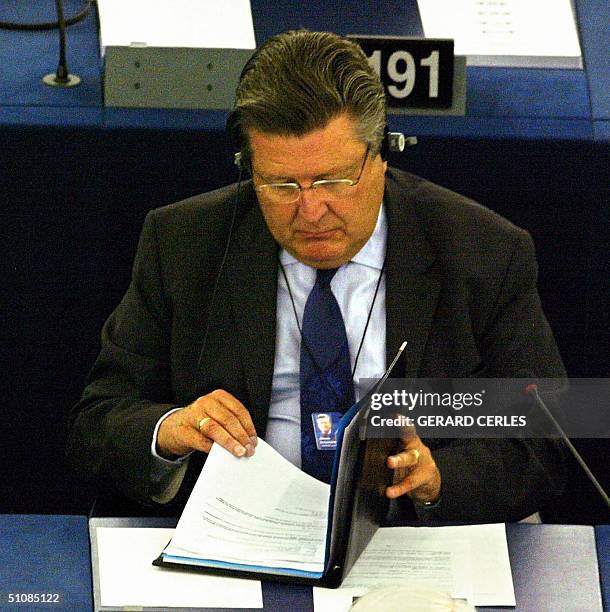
x,y
357,503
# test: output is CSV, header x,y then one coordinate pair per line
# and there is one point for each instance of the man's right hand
x,y
215,417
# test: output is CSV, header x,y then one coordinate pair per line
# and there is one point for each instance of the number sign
x,y
415,72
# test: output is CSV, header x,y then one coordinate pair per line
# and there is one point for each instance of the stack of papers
x,y
261,513
468,562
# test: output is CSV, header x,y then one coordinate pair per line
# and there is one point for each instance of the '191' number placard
x,y
415,72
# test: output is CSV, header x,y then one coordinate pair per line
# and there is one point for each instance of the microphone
x,y
532,391
61,78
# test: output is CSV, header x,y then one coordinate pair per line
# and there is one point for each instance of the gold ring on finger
x,y
417,455
202,422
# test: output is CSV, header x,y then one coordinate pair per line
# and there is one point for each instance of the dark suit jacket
x,y
460,287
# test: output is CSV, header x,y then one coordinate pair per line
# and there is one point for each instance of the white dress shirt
x,y
354,287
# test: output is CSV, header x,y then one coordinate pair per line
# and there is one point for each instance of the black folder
x,y
357,503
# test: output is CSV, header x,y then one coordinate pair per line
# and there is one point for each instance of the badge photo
x,y
325,427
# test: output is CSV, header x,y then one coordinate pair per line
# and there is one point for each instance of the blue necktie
x,y
325,374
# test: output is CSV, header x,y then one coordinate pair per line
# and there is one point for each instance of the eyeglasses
x,y
286,193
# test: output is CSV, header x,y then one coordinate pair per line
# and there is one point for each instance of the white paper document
x,y
127,577
254,512
535,33
468,562
424,561
196,24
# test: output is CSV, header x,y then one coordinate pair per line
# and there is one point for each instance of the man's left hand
x,y
415,472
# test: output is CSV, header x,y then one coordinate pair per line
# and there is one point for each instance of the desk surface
x,y
541,557
502,103
46,557
554,566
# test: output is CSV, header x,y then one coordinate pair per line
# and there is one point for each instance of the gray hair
x,y
297,81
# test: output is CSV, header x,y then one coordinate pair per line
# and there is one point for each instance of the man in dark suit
x,y
204,346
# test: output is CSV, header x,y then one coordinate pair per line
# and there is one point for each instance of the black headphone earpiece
x,y
395,142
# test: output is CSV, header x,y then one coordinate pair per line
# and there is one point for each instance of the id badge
x,y
325,427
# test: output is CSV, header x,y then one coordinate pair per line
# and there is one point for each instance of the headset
x,y
393,142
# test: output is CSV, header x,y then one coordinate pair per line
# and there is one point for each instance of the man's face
x,y
319,230
324,424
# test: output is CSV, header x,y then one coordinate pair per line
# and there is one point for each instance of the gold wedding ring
x,y
202,422
417,454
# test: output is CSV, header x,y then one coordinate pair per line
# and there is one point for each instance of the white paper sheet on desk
x,y
177,23
442,565
526,28
127,577
488,566
445,565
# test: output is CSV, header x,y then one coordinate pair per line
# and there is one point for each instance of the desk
x,y
45,555
554,568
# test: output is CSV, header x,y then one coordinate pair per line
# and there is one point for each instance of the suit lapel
x,y
240,337
252,281
412,288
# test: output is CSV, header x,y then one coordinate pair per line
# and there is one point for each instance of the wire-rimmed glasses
x,y
287,193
